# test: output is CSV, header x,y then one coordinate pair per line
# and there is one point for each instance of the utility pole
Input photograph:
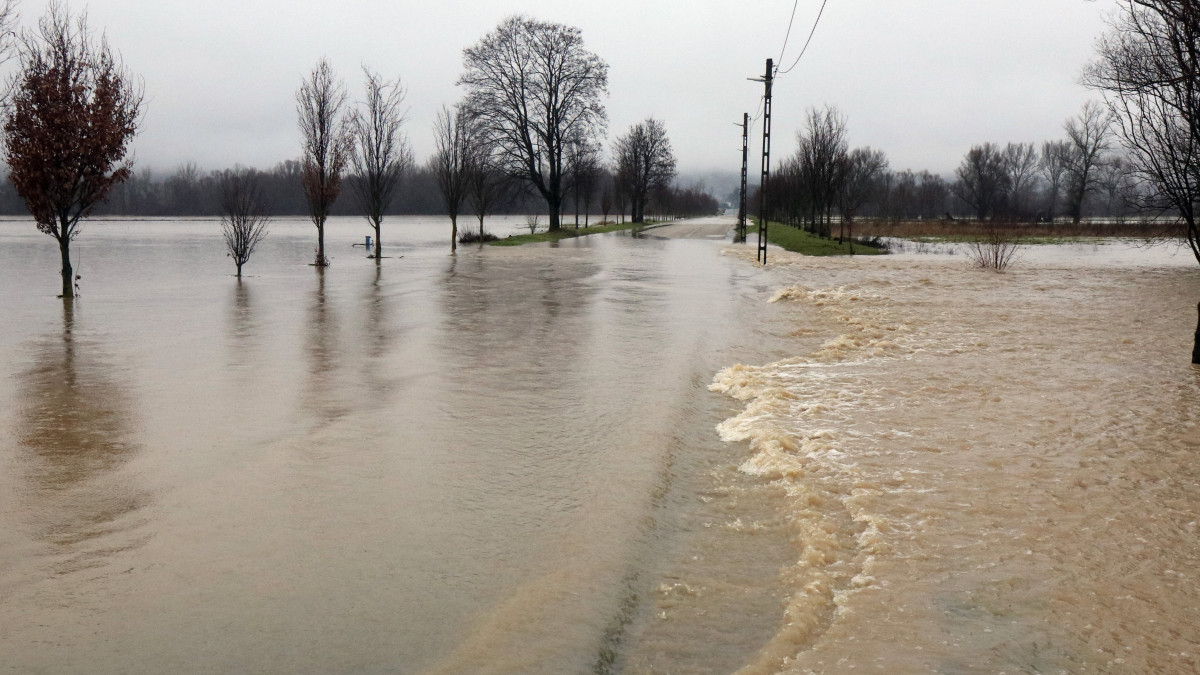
x,y
766,79
741,225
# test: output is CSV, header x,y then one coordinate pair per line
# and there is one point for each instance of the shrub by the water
x,y
475,237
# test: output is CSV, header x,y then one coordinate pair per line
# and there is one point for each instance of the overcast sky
x,y
922,80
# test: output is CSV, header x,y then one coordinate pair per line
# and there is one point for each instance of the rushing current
x,y
614,454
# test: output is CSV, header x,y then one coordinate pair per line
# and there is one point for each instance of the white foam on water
x,y
949,440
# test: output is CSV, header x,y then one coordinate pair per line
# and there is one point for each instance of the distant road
x,y
713,227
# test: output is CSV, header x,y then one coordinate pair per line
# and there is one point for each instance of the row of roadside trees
x,y
826,183
532,124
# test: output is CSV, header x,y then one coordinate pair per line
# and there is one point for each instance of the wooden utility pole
x,y
741,226
766,79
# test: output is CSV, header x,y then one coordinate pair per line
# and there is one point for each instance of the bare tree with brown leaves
x,y
319,102
243,214
71,112
379,150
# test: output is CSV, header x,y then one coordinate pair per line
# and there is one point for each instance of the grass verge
x,y
563,233
798,241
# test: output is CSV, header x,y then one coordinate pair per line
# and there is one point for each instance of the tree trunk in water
x,y
320,244
378,243
239,271
453,234
1196,342
68,274
481,228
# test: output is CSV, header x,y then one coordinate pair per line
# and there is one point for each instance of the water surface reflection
x,y
75,432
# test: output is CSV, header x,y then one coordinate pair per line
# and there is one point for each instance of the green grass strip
x,y
564,233
798,241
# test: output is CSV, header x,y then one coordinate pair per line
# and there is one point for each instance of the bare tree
x,y
1116,181
534,87
243,214
1054,169
9,40
1020,165
184,190
821,158
982,181
380,153
620,196
996,248
606,201
319,102
645,163
1149,69
860,181
583,166
1088,139
71,112
486,181
450,163
931,195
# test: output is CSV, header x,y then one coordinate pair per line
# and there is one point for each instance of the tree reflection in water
x,y
75,430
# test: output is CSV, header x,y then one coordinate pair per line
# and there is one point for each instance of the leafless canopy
x,y
1149,69
8,36
379,150
583,172
645,163
243,214
533,86
1053,165
982,180
486,179
1021,166
450,163
70,113
996,248
861,174
1088,139
319,103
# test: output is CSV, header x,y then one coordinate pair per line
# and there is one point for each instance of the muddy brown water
x,y
614,455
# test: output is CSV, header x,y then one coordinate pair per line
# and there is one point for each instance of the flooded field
x,y
545,460
986,473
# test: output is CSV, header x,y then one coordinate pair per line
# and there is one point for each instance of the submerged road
x,y
712,227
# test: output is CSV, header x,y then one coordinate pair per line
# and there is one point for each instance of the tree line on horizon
x,y
190,191
826,182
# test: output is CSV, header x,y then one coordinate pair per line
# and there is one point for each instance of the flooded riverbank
x,y
520,461
987,473
438,464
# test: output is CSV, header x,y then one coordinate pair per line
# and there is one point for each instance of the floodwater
x,y
545,460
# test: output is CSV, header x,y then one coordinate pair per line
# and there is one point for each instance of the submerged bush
x,y
996,248
475,237
873,242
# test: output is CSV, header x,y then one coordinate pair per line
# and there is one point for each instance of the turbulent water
x,y
986,473
520,460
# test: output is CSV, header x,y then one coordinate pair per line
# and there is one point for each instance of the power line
x,y
788,35
806,42
758,113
